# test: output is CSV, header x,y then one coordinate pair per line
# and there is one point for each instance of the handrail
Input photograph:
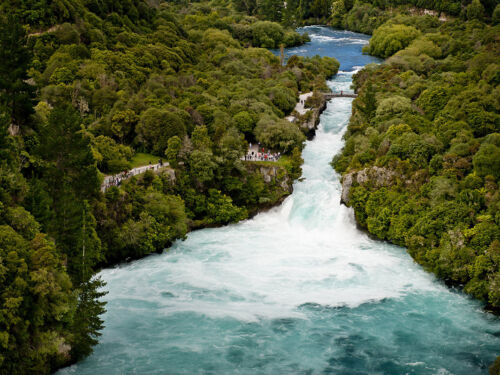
x,y
331,95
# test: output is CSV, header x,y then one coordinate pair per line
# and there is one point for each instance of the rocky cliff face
x,y
375,176
310,121
170,173
278,184
276,175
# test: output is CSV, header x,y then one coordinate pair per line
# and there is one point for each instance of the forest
x,y
86,86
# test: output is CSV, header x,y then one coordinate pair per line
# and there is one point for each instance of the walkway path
x,y
115,180
300,106
49,30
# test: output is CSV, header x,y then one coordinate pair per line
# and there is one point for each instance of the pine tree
x,y
87,252
15,94
290,13
87,323
71,176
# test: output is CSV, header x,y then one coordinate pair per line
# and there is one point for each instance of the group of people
x,y
262,156
117,179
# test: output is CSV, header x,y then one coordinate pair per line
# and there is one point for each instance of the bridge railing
x,y
341,94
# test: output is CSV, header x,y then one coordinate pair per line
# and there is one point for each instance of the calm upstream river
x,y
296,290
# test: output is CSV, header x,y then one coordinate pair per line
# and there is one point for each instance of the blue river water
x,y
296,290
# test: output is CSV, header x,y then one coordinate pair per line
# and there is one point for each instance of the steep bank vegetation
x,y
84,86
364,15
422,153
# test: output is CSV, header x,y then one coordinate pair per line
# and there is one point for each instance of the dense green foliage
x,y
389,39
429,119
365,15
89,86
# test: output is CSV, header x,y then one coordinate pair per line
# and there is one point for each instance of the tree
x,y
370,102
487,160
66,149
123,123
280,135
296,165
172,151
244,121
16,96
70,172
393,105
283,98
112,157
271,9
247,6
200,138
86,253
475,10
496,19
157,126
202,166
320,8
267,34
390,38
36,303
432,100
338,12
221,210
87,323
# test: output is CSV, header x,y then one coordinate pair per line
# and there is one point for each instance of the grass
x,y
140,159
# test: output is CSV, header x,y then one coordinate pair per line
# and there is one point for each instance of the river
x,y
295,290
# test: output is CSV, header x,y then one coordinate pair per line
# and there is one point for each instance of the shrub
x,y
389,39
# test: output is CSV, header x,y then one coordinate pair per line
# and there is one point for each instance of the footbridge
x,y
331,95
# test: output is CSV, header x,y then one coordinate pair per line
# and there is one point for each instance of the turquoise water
x,y
297,290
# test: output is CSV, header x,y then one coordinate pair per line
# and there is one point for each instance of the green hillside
x,y
87,88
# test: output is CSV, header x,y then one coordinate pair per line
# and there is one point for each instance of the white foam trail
x,y
329,39
350,72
